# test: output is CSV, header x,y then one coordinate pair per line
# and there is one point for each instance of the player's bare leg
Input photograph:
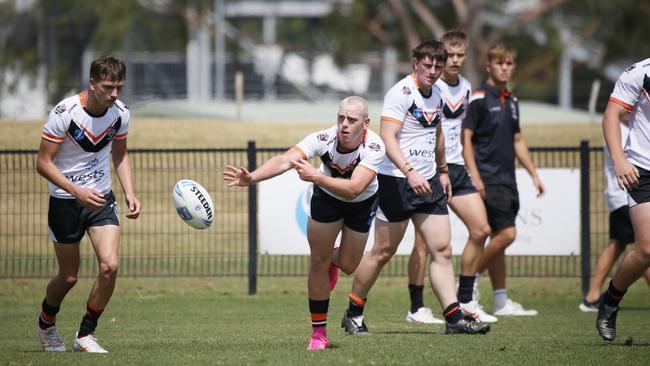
x,y
417,265
436,232
321,237
471,210
387,238
68,259
604,265
348,256
633,266
106,242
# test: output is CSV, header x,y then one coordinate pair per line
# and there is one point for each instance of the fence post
x,y
252,222
585,230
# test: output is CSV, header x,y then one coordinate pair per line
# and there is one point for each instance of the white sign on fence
x,y
545,226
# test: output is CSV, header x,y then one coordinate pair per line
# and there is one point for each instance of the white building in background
x,y
23,96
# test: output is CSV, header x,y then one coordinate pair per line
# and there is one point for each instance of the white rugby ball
x,y
193,204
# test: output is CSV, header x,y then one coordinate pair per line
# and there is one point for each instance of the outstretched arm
x,y
275,166
346,188
523,155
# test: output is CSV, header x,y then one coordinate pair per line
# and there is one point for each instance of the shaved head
x,y
356,101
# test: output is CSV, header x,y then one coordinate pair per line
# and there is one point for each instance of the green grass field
x,y
212,321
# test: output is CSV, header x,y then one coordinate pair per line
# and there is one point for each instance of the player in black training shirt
x,y
491,141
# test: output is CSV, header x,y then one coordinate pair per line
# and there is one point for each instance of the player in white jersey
x,y
465,201
80,136
344,200
620,231
632,169
409,188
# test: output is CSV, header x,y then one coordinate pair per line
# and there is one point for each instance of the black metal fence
x,y
159,244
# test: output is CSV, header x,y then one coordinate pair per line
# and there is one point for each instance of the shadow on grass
x,y
415,332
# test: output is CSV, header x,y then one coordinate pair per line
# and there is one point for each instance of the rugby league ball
x,y
193,204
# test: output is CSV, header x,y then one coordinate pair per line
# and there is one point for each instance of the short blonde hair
x,y
501,51
353,99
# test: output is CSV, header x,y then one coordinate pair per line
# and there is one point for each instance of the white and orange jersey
x,y
632,92
418,117
85,142
614,195
455,99
337,164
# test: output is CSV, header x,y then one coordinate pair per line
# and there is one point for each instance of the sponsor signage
x,y
545,226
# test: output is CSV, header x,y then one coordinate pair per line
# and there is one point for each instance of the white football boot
x,y
87,344
513,308
475,311
423,316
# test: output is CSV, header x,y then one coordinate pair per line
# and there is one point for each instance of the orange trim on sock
x,y
356,299
99,312
318,317
47,318
451,311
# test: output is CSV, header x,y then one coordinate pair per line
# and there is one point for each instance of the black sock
x,y
415,293
613,296
452,313
48,315
356,305
318,310
89,321
465,288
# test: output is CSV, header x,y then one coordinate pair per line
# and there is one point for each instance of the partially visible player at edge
x,y
621,232
413,185
81,134
630,95
344,199
465,201
492,140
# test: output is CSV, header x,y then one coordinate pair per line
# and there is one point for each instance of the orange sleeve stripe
x,y
299,150
52,138
478,91
374,173
391,119
119,137
318,317
622,104
356,299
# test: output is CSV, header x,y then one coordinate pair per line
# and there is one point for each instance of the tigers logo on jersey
x,y
323,137
59,109
427,120
374,146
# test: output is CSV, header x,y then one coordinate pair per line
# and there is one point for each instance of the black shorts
x,y
620,226
641,193
461,183
502,206
356,215
68,220
398,202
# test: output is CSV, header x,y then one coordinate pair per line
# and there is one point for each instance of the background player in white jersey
x,y
409,188
80,136
465,201
620,231
632,169
492,140
344,199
